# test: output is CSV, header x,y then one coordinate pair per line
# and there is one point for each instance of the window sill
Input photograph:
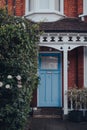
x,y
38,16
82,15
44,12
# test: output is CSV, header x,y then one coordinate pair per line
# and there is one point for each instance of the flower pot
x,y
76,116
85,118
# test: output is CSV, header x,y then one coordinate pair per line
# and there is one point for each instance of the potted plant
x,y
84,102
74,100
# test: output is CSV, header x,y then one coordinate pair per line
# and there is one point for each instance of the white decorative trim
x,y
65,72
59,40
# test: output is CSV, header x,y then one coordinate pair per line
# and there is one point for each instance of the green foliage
x,y
78,97
18,56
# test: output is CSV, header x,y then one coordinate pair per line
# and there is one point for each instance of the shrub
x,y
18,57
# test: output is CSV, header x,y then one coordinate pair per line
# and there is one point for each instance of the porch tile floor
x,y
55,124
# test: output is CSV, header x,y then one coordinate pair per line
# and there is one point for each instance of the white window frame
x,y
51,7
84,7
27,6
61,6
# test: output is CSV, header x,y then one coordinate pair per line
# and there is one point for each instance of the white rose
x,y
18,77
19,86
9,77
1,84
7,86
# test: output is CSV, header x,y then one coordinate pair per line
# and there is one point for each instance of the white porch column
x,y
65,65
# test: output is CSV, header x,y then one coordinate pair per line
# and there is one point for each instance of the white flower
x,y
18,77
9,77
1,84
7,86
19,86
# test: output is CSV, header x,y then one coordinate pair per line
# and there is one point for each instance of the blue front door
x,y
49,90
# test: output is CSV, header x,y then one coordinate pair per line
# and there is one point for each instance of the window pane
x,y
31,5
44,4
49,62
57,5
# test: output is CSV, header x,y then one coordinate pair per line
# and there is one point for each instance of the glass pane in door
x,y
49,62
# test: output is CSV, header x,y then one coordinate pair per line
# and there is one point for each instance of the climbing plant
x,y
18,69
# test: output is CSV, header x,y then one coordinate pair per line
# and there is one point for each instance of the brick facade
x,y
80,6
2,3
20,7
76,68
72,8
16,7
80,67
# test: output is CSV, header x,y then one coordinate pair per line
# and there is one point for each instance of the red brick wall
x,y
80,6
20,4
80,67
17,8
73,8
10,7
2,3
70,8
72,68
76,68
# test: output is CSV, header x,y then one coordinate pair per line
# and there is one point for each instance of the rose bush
x,y
18,69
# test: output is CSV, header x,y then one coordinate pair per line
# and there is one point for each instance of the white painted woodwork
x,y
85,7
44,10
65,63
58,40
66,42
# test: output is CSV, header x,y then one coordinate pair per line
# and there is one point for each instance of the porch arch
x,y
62,47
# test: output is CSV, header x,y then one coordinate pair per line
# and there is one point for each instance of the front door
x,y
49,90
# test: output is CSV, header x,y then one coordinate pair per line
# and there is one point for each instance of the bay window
x,y
44,5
